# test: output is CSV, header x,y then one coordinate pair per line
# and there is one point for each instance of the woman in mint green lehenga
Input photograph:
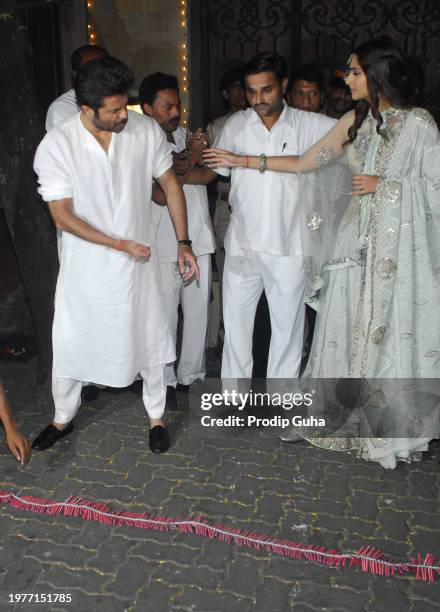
x,y
379,301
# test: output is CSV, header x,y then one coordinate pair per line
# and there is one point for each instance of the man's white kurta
x,y
266,209
110,320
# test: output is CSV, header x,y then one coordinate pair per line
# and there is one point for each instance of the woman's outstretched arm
x,y
329,148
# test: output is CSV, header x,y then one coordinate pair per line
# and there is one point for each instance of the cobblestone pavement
x,y
248,480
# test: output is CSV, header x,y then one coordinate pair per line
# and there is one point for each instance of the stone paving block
x,y
346,525
331,597
290,570
187,575
243,577
85,602
156,596
60,576
427,591
203,600
424,486
428,521
364,505
215,555
20,577
130,578
273,595
410,503
152,551
270,508
395,525
425,541
424,605
110,554
70,555
12,550
389,596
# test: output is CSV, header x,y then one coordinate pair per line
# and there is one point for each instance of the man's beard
x,y
107,127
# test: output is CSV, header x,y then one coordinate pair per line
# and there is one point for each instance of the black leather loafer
x,y
159,439
49,436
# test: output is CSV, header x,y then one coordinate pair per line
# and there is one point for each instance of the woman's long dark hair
x,y
387,76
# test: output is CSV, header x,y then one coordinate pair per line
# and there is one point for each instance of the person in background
x,y
306,88
234,99
16,441
159,98
338,99
65,105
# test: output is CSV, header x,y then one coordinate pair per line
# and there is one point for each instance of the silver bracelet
x,y
262,165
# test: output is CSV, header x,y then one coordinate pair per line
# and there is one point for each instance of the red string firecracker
x,y
367,558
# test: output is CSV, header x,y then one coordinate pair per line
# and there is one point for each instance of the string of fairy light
x,y
91,31
183,51
183,60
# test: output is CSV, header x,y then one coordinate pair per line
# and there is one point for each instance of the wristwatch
x,y
185,242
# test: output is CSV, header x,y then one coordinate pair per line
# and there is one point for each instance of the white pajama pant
x,y
67,394
194,298
283,280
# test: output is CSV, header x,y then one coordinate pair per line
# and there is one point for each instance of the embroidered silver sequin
x,y
386,267
378,334
323,156
337,262
391,232
390,191
314,221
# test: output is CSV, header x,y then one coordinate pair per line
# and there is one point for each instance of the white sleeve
x,y
54,179
162,157
224,141
316,127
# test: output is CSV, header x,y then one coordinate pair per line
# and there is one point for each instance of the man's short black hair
x,y
76,59
153,83
99,78
267,62
231,76
309,73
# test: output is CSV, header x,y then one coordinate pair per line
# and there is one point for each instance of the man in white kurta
x,y
264,239
96,170
159,98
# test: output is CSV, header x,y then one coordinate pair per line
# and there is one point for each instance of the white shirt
x,y
61,109
110,318
199,220
266,208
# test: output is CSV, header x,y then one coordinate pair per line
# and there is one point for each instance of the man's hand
x,y
187,263
217,158
196,143
18,445
181,162
364,184
134,249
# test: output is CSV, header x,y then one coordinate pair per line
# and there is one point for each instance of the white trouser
x,y
244,279
67,394
194,298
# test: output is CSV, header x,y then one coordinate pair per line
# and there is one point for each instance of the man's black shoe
x,y
159,439
171,399
89,393
50,435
